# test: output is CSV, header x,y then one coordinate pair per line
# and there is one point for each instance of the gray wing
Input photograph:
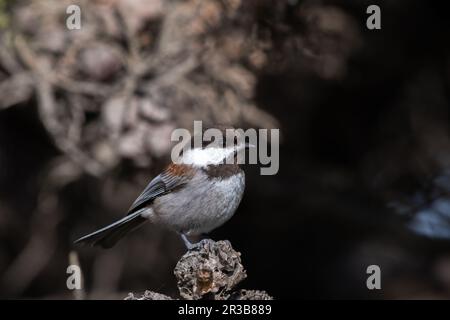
x,y
160,185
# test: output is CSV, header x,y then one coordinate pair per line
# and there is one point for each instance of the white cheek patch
x,y
207,156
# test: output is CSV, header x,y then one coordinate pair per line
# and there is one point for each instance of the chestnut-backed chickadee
x,y
196,195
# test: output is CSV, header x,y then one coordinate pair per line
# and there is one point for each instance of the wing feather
x,y
162,184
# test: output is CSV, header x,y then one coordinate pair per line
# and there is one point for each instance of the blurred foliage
x,y
4,13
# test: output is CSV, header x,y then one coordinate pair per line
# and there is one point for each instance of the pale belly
x,y
201,206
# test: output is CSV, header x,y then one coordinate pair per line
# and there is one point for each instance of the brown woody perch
x,y
210,271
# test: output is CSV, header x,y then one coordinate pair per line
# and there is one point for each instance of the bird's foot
x,y
189,245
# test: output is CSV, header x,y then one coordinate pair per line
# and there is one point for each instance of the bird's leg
x,y
189,245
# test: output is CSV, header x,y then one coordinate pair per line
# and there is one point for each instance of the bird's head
x,y
219,145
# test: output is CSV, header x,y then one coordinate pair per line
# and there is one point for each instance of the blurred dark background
x,y
86,117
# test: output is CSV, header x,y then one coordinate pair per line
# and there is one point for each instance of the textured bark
x,y
211,270
147,295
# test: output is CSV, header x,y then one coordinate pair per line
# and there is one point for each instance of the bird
x,y
192,196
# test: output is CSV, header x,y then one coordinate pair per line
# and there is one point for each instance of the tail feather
x,y
109,235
